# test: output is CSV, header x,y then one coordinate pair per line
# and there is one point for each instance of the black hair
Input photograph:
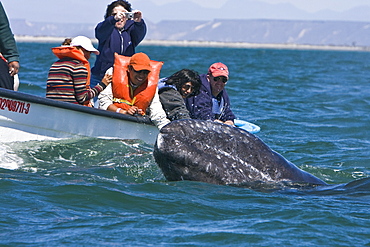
x,y
183,76
114,4
67,41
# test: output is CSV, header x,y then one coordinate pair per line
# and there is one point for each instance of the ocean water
x,y
313,108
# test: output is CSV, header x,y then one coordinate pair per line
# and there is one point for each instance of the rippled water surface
x,y
313,108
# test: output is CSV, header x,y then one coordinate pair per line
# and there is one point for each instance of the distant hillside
x,y
252,31
265,31
24,27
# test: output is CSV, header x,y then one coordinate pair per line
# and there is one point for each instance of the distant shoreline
x,y
245,45
216,44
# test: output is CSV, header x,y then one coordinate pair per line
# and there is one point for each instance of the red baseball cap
x,y
140,61
219,69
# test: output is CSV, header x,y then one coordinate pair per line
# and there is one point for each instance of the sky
x,y
308,5
88,11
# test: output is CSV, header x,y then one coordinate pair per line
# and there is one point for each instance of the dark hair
x,y
114,4
183,76
67,41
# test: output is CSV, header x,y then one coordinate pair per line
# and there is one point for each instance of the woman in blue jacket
x,y
120,32
212,102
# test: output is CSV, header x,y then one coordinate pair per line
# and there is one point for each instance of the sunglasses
x,y
144,71
224,79
187,87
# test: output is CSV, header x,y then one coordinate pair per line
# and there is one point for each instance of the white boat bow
x,y
25,117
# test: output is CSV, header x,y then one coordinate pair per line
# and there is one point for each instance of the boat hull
x,y
25,117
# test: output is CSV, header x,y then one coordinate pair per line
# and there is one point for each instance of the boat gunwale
x,y
69,106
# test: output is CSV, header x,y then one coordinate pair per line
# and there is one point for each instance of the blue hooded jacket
x,y
111,40
200,106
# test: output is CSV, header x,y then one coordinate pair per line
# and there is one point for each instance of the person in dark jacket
x,y
212,102
120,33
175,89
9,57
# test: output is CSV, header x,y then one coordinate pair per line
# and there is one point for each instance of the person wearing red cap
x,y
212,102
134,88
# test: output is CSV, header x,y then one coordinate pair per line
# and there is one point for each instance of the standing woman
x,y
118,33
175,89
69,77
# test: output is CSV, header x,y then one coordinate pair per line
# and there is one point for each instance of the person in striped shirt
x,y
69,77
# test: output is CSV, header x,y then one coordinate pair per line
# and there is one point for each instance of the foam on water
x,y
9,159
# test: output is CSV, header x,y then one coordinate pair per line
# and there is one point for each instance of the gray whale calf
x,y
215,153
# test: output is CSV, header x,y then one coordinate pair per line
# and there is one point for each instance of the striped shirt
x,y
67,82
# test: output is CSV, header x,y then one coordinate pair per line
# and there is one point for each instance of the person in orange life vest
x,y
134,88
69,77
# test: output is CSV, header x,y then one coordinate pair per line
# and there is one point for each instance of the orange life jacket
x,y
123,95
73,52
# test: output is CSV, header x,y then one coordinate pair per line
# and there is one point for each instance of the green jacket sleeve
x,y
8,46
173,104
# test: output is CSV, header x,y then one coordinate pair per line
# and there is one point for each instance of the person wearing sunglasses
x,y
175,89
134,88
212,102
120,32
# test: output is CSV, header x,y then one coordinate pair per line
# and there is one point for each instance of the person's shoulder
x,y
77,62
70,62
203,76
170,91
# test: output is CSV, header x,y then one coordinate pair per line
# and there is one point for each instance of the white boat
x,y
25,117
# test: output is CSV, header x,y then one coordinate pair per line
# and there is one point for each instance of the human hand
x,y
132,110
137,15
119,15
229,122
13,68
107,79
140,111
135,110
